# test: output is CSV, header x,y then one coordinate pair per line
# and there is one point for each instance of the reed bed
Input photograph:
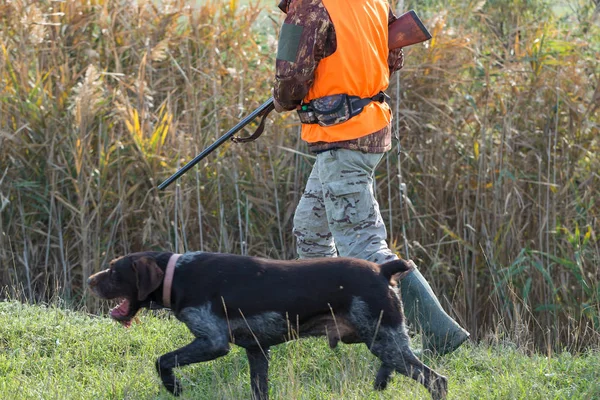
x,y
492,186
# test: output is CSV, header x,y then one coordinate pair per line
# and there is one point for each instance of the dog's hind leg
x,y
259,372
436,384
396,355
390,343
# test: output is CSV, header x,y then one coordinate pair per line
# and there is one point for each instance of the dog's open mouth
x,y
121,313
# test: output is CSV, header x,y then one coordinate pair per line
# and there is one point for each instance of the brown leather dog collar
x,y
169,280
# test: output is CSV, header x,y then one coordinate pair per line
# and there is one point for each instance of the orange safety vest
x,y
358,67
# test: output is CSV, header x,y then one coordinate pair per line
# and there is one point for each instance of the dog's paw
x,y
177,390
172,384
439,389
383,377
379,385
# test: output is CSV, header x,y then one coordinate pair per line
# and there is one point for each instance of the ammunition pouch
x,y
336,109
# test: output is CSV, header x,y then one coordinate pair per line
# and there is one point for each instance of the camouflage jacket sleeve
x,y
306,36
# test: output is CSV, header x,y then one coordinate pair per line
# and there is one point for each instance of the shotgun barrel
x,y
252,116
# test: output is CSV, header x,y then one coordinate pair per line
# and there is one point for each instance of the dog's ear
x,y
148,276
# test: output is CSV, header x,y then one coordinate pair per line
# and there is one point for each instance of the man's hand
x,y
400,61
395,60
278,106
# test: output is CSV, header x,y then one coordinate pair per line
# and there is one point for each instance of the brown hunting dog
x,y
256,303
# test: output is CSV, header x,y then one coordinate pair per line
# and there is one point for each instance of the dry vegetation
x,y
498,119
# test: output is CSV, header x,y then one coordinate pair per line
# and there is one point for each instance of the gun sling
x,y
259,130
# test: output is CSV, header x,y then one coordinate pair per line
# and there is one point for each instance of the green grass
x,y
52,353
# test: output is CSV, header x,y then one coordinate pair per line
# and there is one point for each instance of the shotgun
x,y
405,31
263,110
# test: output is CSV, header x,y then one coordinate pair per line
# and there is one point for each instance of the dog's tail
x,y
392,268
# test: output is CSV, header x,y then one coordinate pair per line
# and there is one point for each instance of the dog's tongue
x,y
120,311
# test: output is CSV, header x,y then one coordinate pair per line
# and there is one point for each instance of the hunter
x,y
333,67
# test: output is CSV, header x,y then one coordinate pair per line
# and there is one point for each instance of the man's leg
x,y
313,238
359,231
352,211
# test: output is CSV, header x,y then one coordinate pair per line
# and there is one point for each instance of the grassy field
x,y
51,353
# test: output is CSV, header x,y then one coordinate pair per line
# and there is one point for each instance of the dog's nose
x,y
90,281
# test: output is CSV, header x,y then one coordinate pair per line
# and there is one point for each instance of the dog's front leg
x,y
201,349
259,372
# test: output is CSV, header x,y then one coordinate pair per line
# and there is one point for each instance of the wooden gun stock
x,y
407,30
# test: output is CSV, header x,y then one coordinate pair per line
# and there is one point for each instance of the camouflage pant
x,y
338,213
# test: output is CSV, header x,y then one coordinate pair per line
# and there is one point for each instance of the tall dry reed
x,y
498,153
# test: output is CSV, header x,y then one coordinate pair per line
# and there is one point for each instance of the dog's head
x,y
131,280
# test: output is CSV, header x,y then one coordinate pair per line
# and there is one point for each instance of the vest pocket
x,y
348,201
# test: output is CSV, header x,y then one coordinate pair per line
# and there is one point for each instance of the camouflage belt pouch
x,y
335,109
326,111
332,110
